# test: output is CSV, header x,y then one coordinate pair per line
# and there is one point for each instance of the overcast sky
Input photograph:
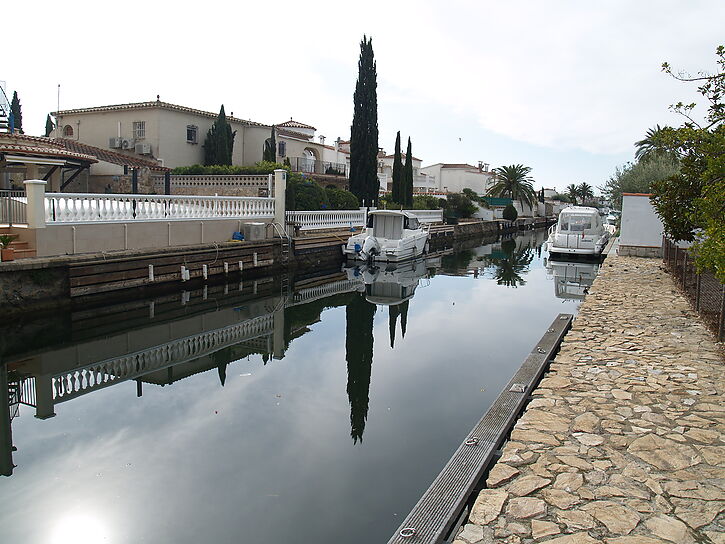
x,y
565,87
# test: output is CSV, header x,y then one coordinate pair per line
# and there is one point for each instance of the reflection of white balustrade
x,y
309,294
326,219
428,216
104,373
101,208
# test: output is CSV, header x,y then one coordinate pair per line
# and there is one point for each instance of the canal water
x,y
238,413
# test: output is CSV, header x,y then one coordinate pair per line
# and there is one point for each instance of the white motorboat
x,y
390,236
579,231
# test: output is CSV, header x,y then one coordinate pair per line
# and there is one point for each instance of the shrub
x,y
340,199
425,202
305,194
510,213
459,205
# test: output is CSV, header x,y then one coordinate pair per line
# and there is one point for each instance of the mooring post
x,y
280,188
35,210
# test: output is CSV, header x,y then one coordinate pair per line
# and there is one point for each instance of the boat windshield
x,y
575,223
412,223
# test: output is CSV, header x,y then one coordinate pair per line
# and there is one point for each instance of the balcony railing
x,y
312,166
13,205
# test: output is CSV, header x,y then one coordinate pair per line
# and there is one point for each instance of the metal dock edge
x,y
432,518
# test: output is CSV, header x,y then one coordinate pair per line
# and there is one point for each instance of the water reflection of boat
x,y
393,283
572,280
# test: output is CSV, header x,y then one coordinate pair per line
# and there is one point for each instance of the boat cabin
x,y
391,224
579,220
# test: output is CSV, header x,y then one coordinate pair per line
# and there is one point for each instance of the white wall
x,y
640,225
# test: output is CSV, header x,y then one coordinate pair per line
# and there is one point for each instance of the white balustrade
x,y
326,219
428,216
102,208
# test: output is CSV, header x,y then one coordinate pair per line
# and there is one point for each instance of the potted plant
x,y
6,252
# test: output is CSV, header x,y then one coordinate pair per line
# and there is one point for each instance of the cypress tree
x,y
219,141
408,177
364,130
16,113
49,126
397,172
270,148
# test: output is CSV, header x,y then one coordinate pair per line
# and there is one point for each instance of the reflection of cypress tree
x,y
404,316
393,313
222,369
359,355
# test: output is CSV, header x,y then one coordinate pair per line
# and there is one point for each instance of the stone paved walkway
x,y
623,441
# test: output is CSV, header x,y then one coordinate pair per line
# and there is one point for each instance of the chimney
x,y
480,166
322,139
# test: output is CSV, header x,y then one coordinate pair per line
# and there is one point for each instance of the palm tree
x,y
585,191
572,191
653,143
514,182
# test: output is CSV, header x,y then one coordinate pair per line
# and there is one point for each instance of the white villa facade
x,y
168,133
422,183
453,178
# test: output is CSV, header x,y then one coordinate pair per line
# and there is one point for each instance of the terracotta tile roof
x,y
110,156
293,134
20,144
295,124
155,104
402,155
444,165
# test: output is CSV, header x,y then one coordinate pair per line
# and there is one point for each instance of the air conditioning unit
x,y
127,143
114,143
143,149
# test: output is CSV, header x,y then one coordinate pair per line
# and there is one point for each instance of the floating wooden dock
x,y
443,504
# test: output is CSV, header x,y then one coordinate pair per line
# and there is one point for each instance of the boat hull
x,y
390,251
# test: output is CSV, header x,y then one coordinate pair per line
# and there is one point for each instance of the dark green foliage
x,y
561,198
16,111
340,199
49,126
261,167
408,177
359,318
306,194
639,177
425,202
219,141
270,148
514,182
332,171
459,205
397,189
364,130
510,213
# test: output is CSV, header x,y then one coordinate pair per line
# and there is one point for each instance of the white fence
x,y
428,216
335,219
326,219
216,182
101,208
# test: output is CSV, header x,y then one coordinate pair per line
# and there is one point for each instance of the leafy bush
x,y
260,168
510,213
341,199
425,202
305,194
459,205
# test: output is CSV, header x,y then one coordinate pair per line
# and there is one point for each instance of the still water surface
x,y
250,417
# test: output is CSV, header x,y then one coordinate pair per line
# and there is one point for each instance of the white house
x,y
453,178
422,183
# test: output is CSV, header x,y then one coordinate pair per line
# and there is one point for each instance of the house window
x,y
191,132
67,131
282,149
139,130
